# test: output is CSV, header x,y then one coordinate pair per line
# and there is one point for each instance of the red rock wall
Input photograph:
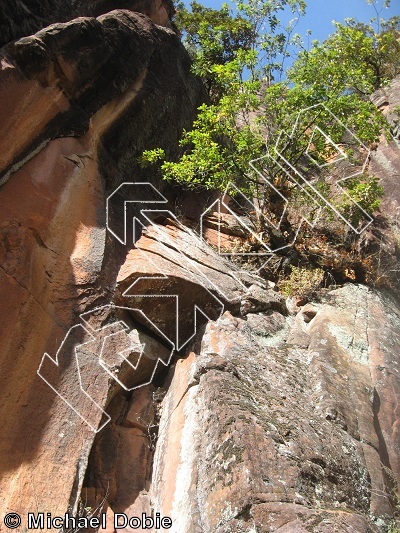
x,y
62,92
271,421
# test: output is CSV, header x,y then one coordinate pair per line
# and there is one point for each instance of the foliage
x,y
303,283
367,60
240,54
341,72
217,151
235,53
232,53
214,38
367,192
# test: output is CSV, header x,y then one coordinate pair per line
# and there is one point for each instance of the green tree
x,y
232,53
213,38
238,55
341,72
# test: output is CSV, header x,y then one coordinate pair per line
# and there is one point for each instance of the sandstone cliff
x,y
252,414
79,101
20,18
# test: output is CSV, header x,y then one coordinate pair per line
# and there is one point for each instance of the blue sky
x,y
320,14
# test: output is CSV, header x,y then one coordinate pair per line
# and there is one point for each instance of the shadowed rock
x,y
19,18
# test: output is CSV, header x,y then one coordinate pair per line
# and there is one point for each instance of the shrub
x,y
303,283
367,192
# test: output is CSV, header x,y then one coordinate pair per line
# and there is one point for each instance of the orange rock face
x,y
187,387
57,163
259,434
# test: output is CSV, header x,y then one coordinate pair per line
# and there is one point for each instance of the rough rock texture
x,y
222,231
385,161
19,18
75,100
109,78
251,416
277,424
172,262
385,164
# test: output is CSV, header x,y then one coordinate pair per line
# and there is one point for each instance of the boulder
x,y
261,434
